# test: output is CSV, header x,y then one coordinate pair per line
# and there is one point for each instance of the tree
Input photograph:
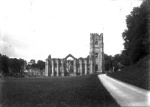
x,y
136,38
4,64
125,60
14,65
11,65
116,61
40,64
108,62
22,64
0,63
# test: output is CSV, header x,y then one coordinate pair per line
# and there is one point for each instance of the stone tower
x,y
96,52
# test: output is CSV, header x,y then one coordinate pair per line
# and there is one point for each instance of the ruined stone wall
x,y
63,67
82,66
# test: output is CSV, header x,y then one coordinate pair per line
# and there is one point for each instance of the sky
x,y
33,29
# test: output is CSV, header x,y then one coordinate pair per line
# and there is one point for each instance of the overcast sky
x,y
33,29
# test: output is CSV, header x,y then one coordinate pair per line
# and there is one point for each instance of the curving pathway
x,y
125,94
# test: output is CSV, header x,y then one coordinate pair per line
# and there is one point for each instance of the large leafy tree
x,y
136,35
11,65
4,64
15,65
0,63
108,62
120,61
41,64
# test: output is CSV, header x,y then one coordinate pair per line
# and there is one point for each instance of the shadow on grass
x,y
79,91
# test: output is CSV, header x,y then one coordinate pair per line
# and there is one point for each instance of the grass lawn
x,y
138,74
79,91
137,77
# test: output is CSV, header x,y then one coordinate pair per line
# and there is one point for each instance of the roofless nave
x,y
82,66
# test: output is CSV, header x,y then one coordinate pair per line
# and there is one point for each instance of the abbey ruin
x,y
94,63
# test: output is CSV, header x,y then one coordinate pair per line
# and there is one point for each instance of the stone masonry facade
x,y
82,66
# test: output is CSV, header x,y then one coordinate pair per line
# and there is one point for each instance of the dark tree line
x,y
11,66
39,65
113,63
14,66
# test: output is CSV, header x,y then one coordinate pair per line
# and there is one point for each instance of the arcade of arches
x,y
64,67
82,66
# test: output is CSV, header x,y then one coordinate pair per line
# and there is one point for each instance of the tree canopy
x,y
11,66
14,66
136,36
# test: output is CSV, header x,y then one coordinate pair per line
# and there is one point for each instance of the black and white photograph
x,y
74,53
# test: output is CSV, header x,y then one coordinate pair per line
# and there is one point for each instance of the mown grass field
x,y
79,91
